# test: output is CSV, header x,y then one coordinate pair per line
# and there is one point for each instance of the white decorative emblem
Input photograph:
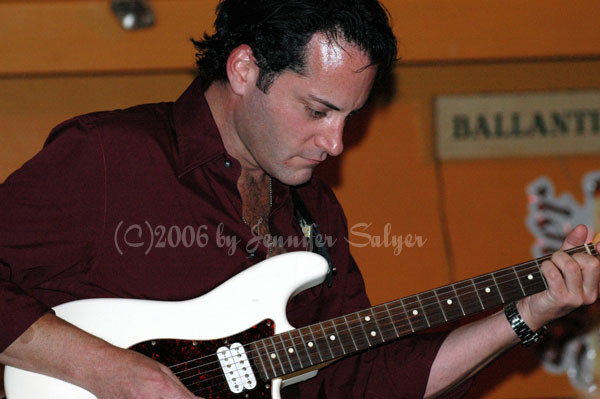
x,y
550,218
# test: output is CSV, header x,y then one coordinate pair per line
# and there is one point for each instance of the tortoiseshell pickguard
x,y
205,377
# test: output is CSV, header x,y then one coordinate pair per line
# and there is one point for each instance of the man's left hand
x,y
572,282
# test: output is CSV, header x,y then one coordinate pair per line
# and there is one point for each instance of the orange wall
x,y
69,57
81,35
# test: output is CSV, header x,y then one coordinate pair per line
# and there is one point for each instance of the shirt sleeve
x,y
395,370
51,213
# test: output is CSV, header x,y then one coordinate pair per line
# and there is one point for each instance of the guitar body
x,y
236,342
247,307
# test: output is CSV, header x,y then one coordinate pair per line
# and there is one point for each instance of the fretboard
x,y
309,346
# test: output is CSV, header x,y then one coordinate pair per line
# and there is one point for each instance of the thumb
x,y
576,237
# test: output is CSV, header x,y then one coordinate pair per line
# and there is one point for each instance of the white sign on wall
x,y
517,124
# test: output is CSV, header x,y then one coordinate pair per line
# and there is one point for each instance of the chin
x,y
297,178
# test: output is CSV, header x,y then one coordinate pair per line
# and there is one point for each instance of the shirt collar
x,y
198,138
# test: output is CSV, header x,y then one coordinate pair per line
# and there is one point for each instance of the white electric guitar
x,y
236,341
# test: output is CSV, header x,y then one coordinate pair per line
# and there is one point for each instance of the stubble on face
x,y
279,131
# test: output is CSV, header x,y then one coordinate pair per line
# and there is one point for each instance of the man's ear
x,y
242,71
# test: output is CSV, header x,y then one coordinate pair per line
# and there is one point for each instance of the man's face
x,y
292,128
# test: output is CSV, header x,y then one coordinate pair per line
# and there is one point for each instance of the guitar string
x,y
393,308
290,366
385,325
223,383
382,324
405,300
285,364
395,305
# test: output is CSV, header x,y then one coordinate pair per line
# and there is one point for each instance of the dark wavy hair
x,y
279,30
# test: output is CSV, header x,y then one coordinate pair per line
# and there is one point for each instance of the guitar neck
x,y
309,346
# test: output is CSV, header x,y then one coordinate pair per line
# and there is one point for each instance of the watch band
x,y
525,334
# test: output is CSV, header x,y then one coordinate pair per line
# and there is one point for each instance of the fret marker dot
x,y
332,338
373,333
291,350
273,356
487,290
367,318
310,344
415,312
449,301
530,277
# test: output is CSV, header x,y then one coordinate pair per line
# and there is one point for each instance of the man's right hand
x,y
136,376
106,371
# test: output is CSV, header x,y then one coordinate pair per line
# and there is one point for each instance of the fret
x,y
295,351
376,321
276,355
351,333
291,353
384,323
422,310
344,335
333,339
519,281
449,302
477,293
468,297
509,286
362,340
487,291
400,317
282,350
441,305
268,356
387,309
300,346
259,356
432,309
371,329
531,278
363,329
458,300
321,342
540,271
497,287
407,317
311,344
414,313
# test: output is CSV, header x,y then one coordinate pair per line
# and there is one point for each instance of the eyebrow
x,y
324,102
331,106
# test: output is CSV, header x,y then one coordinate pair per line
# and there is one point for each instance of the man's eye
x,y
315,114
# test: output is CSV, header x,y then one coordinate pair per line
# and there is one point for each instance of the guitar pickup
x,y
236,368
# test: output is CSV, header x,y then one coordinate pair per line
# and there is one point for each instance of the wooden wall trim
x,y
83,36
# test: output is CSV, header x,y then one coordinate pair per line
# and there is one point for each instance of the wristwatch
x,y
525,334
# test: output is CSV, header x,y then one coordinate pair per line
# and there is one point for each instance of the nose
x,y
330,140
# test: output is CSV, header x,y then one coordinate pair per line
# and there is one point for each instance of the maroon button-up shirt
x,y
143,203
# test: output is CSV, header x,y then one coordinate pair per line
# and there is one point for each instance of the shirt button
x,y
228,164
251,255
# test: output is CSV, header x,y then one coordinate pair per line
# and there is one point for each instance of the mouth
x,y
311,161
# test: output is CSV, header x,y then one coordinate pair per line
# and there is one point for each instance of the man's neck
x,y
221,101
253,183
